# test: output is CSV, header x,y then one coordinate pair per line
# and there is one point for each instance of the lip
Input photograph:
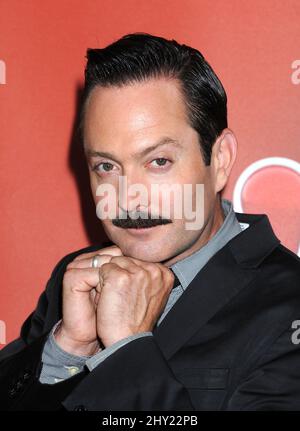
x,y
141,231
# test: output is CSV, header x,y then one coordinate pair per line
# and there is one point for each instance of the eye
x,y
161,162
103,167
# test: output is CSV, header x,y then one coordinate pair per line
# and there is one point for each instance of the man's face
x,y
120,126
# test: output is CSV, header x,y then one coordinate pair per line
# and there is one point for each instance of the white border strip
x,y
252,169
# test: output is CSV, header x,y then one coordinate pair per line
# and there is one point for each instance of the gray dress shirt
x,y
59,365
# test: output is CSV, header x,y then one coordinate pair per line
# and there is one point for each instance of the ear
x,y
224,153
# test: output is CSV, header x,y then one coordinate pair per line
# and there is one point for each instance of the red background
x,y
46,206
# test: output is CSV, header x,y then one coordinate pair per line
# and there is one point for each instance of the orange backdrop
x,y
46,206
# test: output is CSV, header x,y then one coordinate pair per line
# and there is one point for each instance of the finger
x,y
145,264
105,271
156,270
81,279
87,263
168,276
126,263
97,297
112,251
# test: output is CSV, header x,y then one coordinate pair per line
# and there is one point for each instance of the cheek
x,y
93,186
194,188
191,170
103,190
200,175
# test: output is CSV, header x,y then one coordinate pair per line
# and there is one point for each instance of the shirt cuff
x,y
99,357
58,364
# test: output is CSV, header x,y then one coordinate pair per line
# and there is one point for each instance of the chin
x,y
156,247
143,253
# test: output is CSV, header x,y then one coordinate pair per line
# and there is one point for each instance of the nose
x,y
133,195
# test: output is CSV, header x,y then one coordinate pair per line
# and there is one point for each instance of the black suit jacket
x,y
225,345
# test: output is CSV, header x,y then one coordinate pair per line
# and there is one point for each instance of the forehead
x,y
144,109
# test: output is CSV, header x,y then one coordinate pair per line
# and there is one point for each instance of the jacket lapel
x,y
229,271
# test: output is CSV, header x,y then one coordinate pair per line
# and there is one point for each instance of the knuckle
x,y
105,266
170,275
79,257
116,249
112,249
155,271
170,279
166,270
141,272
115,259
123,278
104,258
124,275
70,266
68,275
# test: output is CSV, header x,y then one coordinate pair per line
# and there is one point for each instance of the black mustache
x,y
139,222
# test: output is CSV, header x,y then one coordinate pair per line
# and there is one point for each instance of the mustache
x,y
142,220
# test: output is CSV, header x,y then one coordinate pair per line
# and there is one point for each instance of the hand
x,y
77,333
133,294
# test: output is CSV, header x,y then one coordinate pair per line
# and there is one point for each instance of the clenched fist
x,y
133,294
77,333
122,297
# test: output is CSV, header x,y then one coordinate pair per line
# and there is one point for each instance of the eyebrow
x,y
164,141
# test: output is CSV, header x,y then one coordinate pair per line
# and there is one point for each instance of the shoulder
x,y
288,256
282,269
272,301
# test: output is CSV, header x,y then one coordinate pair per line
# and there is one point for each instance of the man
x,y
168,317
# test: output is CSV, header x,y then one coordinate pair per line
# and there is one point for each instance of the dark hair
x,y
140,56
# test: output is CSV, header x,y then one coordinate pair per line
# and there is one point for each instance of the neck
x,y
209,230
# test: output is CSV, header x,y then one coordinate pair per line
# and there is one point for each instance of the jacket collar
x,y
255,243
229,271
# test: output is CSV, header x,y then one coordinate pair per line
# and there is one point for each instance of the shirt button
x,y
15,388
19,385
80,408
12,392
26,375
72,370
